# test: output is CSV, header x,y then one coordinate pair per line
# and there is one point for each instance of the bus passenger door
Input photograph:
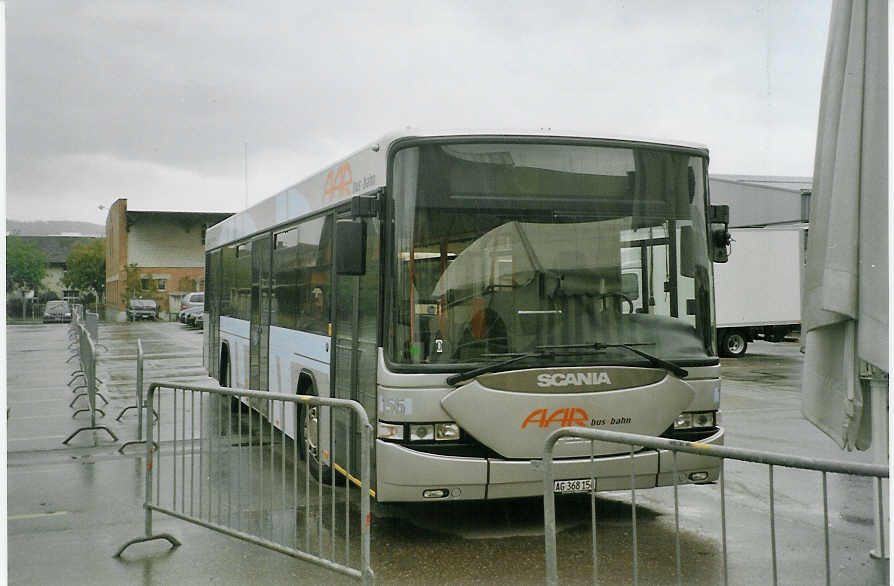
x,y
260,313
344,364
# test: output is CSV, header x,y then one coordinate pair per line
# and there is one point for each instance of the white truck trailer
x,y
758,292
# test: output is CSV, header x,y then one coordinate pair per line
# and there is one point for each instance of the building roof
x,y
184,219
796,184
55,247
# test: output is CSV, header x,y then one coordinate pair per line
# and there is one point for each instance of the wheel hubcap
x,y
311,428
735,344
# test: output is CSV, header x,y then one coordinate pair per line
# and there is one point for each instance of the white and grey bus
x,y
475,292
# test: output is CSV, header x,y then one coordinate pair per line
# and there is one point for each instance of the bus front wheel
x,y
310,442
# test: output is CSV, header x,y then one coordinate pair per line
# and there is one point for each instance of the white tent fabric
x,y
845,304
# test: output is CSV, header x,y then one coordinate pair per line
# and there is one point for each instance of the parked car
x,y
142,309
194,299
191,314
57,312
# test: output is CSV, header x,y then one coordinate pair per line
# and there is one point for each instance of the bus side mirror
x,y
719,233
365,206
350,247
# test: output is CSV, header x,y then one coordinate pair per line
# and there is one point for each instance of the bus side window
x,y
314,275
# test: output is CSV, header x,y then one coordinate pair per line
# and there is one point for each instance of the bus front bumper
x,y
405,475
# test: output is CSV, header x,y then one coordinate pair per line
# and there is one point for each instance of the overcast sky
x,y
154,101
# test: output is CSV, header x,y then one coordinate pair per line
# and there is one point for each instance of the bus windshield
x,y
501,248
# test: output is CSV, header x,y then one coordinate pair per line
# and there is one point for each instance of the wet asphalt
x,y
70,507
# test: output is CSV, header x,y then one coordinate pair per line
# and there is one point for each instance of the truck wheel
x,y
733,344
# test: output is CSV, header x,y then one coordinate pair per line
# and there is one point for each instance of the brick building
x,y
154,254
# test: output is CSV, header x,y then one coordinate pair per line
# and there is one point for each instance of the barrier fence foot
x,y
94,427
154,412
170,538
123,411
97,409
134,442
77,388
72,404
104,400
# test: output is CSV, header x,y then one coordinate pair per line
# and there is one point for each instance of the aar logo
x,y
565,417
338,183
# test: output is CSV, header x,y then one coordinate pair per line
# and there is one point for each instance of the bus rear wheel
x,y
224,380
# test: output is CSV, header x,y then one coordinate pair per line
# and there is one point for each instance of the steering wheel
x,y
620,296
472,348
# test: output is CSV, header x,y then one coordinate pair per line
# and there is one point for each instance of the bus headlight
x,y
418,432
683,421
422,432
695,420
446,431
704,419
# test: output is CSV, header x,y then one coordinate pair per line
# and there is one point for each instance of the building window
x,y
144,284
162,283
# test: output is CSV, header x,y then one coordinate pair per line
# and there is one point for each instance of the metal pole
x,y
593,539
549,517
633,516
878,385
365,519
773,526
149,438
826,529
677,521
139,388
723,520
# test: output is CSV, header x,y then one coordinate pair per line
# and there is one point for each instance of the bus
x,y
475,292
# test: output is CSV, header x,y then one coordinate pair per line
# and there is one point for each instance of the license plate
x,y
568,486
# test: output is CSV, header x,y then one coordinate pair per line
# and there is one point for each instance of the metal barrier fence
x,y
92,322
636,442
86,352
222,465
139,401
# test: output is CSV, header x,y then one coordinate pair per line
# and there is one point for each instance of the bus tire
x,y
224,378
733,343
309,432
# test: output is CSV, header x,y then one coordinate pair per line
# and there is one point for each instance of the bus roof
x,y
364,171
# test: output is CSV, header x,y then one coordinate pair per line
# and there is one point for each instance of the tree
x,y
86,266
26,266
186,284
133,286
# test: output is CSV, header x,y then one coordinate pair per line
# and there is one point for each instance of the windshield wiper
x,y
472,373
599,346
548,351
